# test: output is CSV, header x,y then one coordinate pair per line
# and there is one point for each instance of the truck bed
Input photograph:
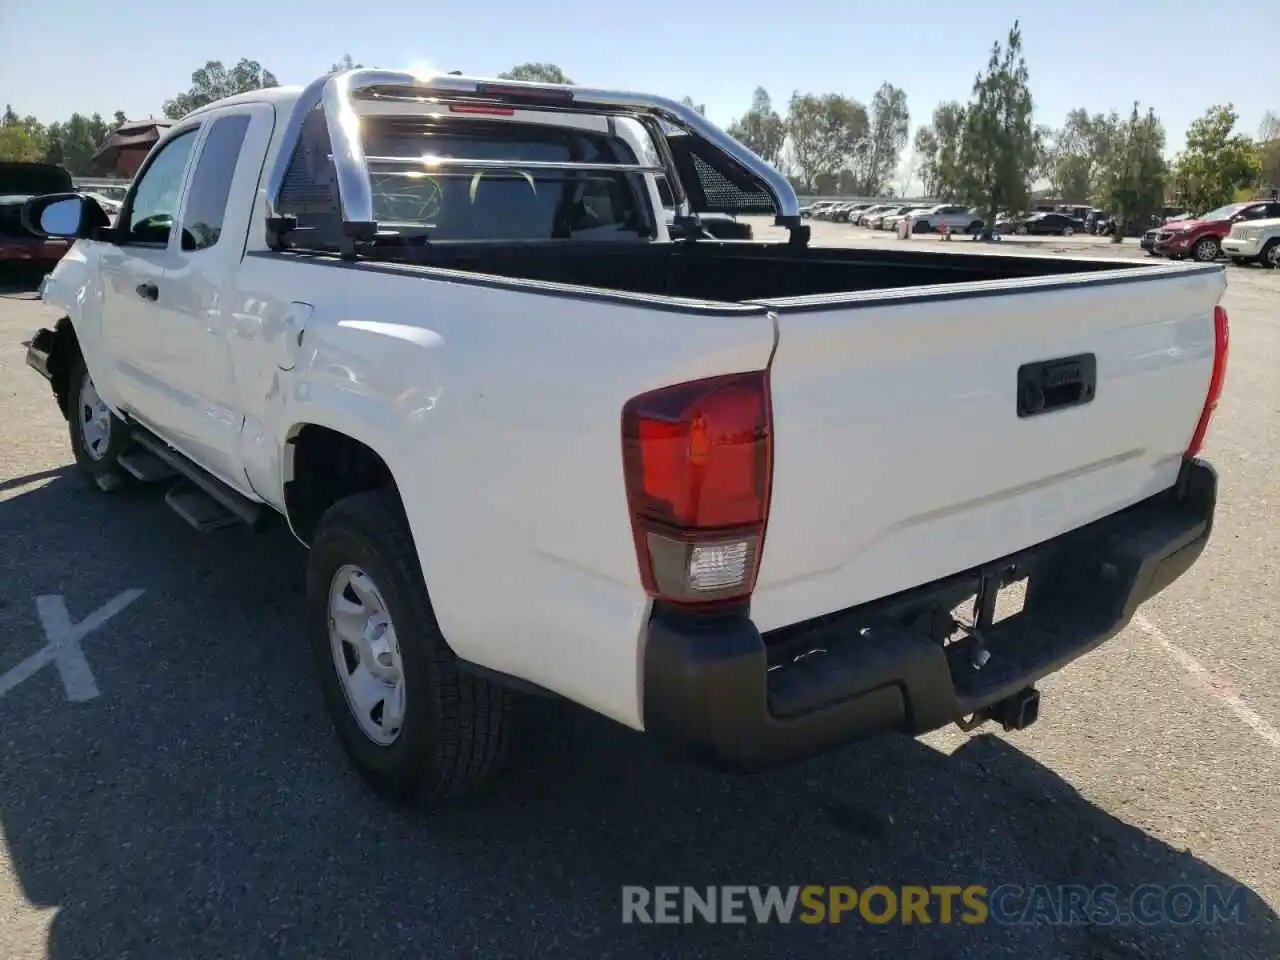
x,y
902,452
742,272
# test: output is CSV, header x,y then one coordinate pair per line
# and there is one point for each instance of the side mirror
x,y
70,215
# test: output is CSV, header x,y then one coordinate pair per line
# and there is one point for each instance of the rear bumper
x,y
725,694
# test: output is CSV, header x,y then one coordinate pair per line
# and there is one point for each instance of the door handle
x,y
148,291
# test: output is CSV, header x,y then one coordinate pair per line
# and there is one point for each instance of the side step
x,y
219,500
197,508
145,466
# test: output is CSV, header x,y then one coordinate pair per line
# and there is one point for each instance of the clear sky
x,y
1178,56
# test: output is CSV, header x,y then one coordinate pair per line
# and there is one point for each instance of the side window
x,y
211,183
1273,210
155,198
664,192
1255,213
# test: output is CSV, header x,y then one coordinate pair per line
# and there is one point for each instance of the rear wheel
x,y
1270,256
1206,250
98,436
1068,231
922,226
416,727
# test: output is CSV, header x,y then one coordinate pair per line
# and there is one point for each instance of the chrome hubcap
x,y
366,654
95,421
1273,255
1205,250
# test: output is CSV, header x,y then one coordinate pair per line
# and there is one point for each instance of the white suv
x,y
958,219
1254,241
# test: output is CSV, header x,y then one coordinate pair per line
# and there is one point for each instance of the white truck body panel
x,y
496,404
897,459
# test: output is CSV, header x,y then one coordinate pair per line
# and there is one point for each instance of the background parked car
x,y
956,218
878,221
815,208
1254,241
865,217
19,182
1201,239
847,211
891,219
1059,224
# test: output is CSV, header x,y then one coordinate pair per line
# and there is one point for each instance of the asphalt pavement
x,y
169,786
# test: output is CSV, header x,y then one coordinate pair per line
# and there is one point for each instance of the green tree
x,y
937,149
924,151
74,142
1269,148
536,73
213,81
1134,180
22,139
1216,161
700,108
827,132
761,128
888,128
1078,154
999,145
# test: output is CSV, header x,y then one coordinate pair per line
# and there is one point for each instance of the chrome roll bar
x,y
334,94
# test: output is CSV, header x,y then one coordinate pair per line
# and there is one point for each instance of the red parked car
x,y
1201,238
19,182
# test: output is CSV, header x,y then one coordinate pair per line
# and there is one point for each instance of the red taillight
x,y
698,464
1221,338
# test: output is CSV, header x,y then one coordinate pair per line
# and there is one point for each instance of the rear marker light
x,y
482,111
1221,341
698,465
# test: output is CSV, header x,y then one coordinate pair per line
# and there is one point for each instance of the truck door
x,y
133,267
200,300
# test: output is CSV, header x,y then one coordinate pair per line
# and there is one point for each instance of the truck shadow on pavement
x,y
199,807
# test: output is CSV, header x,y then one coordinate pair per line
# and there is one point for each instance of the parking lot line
x,y
62,645
1210,683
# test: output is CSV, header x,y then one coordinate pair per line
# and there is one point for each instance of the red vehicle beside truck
x,y
1201,239
19,182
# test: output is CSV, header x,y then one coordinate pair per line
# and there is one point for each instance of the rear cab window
x,y
520,202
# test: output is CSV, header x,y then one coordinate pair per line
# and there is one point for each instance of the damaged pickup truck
x,y
757,499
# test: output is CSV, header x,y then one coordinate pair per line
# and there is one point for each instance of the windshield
x,y
515,203
1224,213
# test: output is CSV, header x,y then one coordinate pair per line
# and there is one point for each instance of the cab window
x,y
155,197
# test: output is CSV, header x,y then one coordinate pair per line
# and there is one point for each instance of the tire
x,y
455,728
1020,230
1270,255
1068,231
98,436
1206,250
922,226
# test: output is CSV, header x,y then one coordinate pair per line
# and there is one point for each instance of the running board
x,y
197,508
143,465
203,486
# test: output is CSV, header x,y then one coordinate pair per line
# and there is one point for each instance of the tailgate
x,y
900,456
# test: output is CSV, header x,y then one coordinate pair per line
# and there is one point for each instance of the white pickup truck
x,y
757,499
